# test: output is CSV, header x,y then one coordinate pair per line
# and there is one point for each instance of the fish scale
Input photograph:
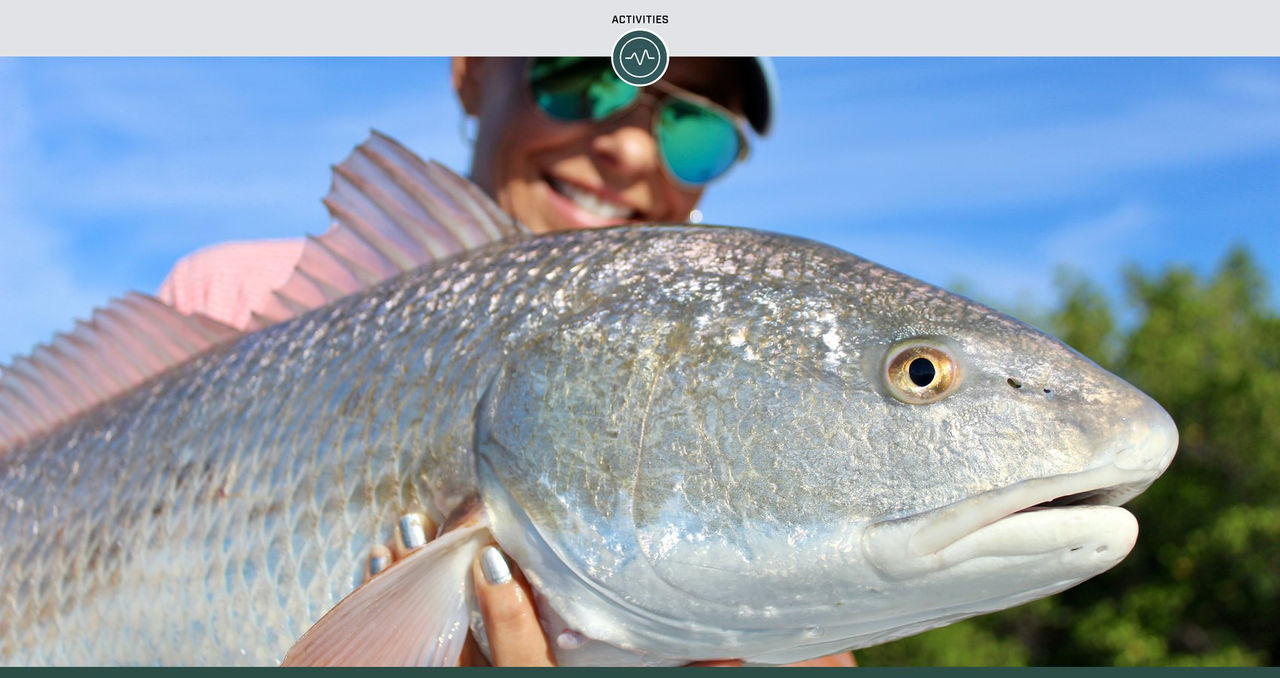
x,y
688,438
334,458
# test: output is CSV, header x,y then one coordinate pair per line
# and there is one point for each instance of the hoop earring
x,y
467,126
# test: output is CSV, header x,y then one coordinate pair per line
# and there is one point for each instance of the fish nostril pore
x,y
1017,383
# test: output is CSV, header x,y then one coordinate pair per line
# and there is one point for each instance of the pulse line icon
x,y
640,57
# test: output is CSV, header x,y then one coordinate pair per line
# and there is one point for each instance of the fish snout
x,y
1149,438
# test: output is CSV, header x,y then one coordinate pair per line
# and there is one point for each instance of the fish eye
x,y
920,373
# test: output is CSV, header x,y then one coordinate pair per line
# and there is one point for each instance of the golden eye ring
x,y
920,373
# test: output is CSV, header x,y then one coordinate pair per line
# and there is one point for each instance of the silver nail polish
x,y
411,534
494,566
570,640
378,564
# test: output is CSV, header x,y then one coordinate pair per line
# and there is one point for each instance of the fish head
x,y
745,445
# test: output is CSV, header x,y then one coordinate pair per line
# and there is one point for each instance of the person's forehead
x,y
717,78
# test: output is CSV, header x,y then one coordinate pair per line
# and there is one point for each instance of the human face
x,y
555,175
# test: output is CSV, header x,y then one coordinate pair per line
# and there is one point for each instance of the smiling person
x,y
560,144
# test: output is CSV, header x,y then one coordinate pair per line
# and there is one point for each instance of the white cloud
x,y
39,290
190,155
1100,241
947,259
1016,270
958,161
160,157
42,294
1262,86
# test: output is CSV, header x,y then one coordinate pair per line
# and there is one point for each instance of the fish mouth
x,y
1068,513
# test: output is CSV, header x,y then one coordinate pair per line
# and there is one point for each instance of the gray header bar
x,y
586,27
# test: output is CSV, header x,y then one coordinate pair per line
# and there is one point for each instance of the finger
x,y
412,531
837,659
471,654
510,621
379,560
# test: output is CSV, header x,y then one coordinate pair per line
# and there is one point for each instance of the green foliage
x,y
1203,582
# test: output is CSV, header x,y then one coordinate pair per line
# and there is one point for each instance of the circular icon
x,y
640,58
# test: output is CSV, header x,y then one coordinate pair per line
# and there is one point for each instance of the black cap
x,y
761,96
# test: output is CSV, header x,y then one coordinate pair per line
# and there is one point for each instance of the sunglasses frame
x,y
655,102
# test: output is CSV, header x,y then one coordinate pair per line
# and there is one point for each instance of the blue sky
x,y
991,171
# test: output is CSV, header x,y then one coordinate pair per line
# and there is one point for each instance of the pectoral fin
x,y
415,613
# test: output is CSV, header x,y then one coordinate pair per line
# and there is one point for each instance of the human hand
x,y
506,604
502,593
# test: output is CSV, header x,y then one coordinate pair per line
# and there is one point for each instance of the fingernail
x,y
494,566
379,559
570,640
411,533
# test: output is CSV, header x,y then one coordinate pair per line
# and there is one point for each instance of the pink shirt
x,y
229,281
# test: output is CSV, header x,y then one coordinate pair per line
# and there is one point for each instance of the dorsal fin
x,y
124,343
391,212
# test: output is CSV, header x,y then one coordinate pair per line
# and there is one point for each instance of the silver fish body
x,y
683,435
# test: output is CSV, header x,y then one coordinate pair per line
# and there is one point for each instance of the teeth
x,y
591,202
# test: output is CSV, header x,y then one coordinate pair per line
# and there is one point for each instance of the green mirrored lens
x,y
697,143
576,88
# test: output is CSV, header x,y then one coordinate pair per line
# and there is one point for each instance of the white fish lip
x,y
951,523
1007,522
1037,507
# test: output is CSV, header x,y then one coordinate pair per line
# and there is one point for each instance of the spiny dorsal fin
x,y
126,342
391,212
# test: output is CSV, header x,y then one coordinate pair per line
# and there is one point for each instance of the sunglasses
x,y
697,139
